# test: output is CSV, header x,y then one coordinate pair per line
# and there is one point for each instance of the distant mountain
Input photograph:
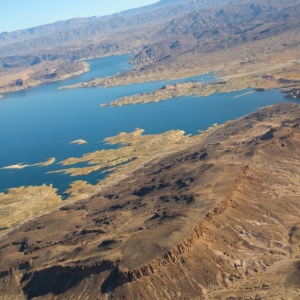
x,y
82,31
161,31
221,27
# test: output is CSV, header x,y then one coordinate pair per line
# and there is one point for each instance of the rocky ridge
x,y
218,220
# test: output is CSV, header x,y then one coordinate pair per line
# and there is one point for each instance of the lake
x,y
40,123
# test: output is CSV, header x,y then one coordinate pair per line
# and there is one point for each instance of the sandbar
x,y
20,166
79,142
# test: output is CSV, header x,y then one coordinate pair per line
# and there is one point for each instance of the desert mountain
x,y
220,28
159,32
85,31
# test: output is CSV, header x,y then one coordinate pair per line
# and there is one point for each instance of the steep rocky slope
x,y
219,220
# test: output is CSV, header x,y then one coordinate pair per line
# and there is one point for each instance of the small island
x,y
79,142
20,166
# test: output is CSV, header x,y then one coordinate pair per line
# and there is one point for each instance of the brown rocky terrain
x,y
216,220
241,67
220,28
198,35
87,31
260,80
211,216
70,41
249,44
22,78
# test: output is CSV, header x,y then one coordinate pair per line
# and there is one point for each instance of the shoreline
x,y
239,153
199,89
283,74
137,151
32,83
132,156
62,67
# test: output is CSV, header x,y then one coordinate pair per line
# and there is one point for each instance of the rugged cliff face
x,y
219,220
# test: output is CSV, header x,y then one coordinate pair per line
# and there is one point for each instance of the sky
x,y
22,14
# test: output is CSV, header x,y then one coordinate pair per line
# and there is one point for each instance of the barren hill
x,y
219,220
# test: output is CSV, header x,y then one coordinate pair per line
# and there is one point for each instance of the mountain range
x,y
161,31
86,31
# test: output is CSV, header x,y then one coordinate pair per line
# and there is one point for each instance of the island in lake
x,y
79,142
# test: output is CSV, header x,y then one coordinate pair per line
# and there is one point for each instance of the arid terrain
x,y
174,40
54,52
217,220
208,216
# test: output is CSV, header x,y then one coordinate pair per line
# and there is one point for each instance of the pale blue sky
x,y
21,14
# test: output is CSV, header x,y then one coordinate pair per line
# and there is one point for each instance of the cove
x,y
40,123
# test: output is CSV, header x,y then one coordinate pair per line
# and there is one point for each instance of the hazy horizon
x,y
39,13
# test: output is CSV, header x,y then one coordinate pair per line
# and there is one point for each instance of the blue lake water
x,y
39,123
